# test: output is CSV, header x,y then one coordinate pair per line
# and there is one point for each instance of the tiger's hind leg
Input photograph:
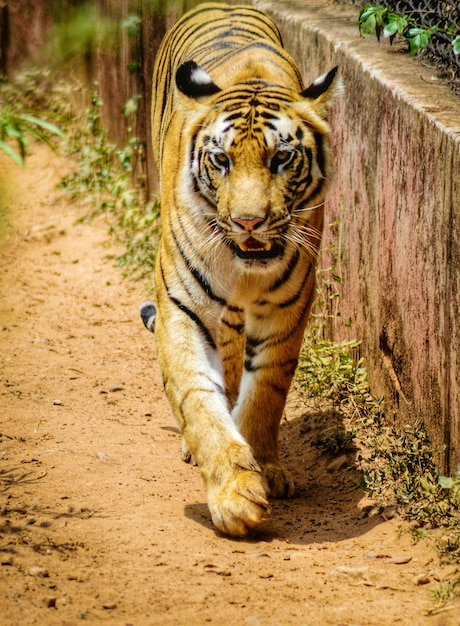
x,y
230,345
258,420
269,367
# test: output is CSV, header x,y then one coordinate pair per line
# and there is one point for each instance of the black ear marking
x,y
320,85
194,81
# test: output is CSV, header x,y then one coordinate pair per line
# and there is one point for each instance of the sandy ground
x,y
101,522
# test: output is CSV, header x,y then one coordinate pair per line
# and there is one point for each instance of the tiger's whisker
x,y
308,208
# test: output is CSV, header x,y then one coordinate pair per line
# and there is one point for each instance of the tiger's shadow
x,y
329,503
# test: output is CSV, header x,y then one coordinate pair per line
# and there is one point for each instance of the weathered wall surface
x,y
396,200
23,25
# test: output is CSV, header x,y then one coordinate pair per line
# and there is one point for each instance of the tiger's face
x,y
260,168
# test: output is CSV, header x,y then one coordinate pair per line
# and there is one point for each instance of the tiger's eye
x,y
220,159
283,156
280,160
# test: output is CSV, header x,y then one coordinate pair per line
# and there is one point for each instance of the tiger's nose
x,y
248,223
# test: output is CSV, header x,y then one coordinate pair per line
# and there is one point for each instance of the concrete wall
x,y
396,202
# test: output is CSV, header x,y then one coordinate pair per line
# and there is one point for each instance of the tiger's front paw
x,y
279,480
238,502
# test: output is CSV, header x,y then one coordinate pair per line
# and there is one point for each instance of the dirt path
x,y
101,522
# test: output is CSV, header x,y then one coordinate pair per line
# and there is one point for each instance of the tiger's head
x,y
259,158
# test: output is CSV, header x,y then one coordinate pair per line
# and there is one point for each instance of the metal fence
x,y
429,13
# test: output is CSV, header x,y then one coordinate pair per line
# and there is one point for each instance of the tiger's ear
x,y
194,82
320,93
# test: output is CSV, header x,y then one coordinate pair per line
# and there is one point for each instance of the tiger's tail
x,y
148,315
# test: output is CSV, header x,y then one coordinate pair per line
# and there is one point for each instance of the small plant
x,y
452,485
398,465
334,440
18,126
105,177
331,376
445,592
95,156
113,180
140,228
382,20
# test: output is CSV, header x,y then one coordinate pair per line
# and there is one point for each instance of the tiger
x,y
243,157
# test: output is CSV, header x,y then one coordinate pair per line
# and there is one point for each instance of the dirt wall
x,y
395,206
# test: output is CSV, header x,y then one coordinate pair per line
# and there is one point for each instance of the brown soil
x,y
101,521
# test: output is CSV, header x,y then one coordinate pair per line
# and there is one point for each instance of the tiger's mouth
x,y
254,245
252,248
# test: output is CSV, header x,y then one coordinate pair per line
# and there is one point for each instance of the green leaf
x,y
417,39
368,26
366,13
13,132
134,67
396,24
390,29
11,153
445,482
456,45
43,124
131,24
131,106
